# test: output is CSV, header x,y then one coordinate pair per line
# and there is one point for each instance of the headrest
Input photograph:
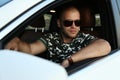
x,y
39,22
87,17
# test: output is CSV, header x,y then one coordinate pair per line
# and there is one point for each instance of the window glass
x,y
118,4
47,18
97,20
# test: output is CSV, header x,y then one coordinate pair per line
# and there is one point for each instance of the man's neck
x,y
66,39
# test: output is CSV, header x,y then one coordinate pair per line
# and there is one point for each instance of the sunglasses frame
x,y
68,23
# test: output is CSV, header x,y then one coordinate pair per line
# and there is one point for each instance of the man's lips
x,y
73,31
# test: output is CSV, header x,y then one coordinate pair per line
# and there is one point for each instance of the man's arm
x,y
33,48
97,48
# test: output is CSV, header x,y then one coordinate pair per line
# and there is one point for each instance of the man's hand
x,y
65,63
13,44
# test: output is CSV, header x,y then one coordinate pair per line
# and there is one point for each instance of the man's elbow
x,y
107,47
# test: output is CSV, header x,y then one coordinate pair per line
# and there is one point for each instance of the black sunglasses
x,y
68,23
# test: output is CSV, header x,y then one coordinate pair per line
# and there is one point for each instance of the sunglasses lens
x,y
77,22
68,23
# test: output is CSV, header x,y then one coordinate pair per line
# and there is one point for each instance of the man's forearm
x,y
97,48
24,47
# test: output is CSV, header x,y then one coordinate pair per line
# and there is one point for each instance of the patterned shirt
x,y
58,50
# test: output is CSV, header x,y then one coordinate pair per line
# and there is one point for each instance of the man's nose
x,y
73,25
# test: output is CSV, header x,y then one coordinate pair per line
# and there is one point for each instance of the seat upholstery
x,y
87,17
39,22
53,24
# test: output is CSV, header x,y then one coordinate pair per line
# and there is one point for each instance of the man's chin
x,y
73,36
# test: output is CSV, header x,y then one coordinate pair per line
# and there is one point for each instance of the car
x,y
29,19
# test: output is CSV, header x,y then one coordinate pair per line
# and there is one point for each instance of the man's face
x,y
70,23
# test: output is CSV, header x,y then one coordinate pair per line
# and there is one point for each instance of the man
x,y
67,46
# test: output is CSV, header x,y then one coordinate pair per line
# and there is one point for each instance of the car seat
x,y
34,30
88,22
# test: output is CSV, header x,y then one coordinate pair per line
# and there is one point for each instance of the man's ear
x,y
58,23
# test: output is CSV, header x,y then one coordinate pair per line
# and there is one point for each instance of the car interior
x,y
95,20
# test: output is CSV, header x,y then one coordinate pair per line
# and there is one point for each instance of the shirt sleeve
x,y
43,39
88,39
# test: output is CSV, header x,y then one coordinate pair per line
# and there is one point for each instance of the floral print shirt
x,y
58,50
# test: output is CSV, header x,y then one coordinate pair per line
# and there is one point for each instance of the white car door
x,y
20,66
